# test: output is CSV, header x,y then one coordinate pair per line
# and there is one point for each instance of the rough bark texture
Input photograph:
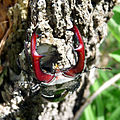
x,y
52,17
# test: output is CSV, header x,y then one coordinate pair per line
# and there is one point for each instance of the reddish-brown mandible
x,y
66,75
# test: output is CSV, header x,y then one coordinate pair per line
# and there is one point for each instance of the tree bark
x,y
52,18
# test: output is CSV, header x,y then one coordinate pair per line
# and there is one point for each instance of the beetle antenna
x,y
107,68
102,68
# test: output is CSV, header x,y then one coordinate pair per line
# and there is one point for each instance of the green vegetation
x,y
107,105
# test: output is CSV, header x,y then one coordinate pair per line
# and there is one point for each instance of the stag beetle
x,y
56,86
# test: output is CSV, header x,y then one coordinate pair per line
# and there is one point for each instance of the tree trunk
x,y
20,97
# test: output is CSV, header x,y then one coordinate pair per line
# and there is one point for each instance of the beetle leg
x,y
40,75
81,55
